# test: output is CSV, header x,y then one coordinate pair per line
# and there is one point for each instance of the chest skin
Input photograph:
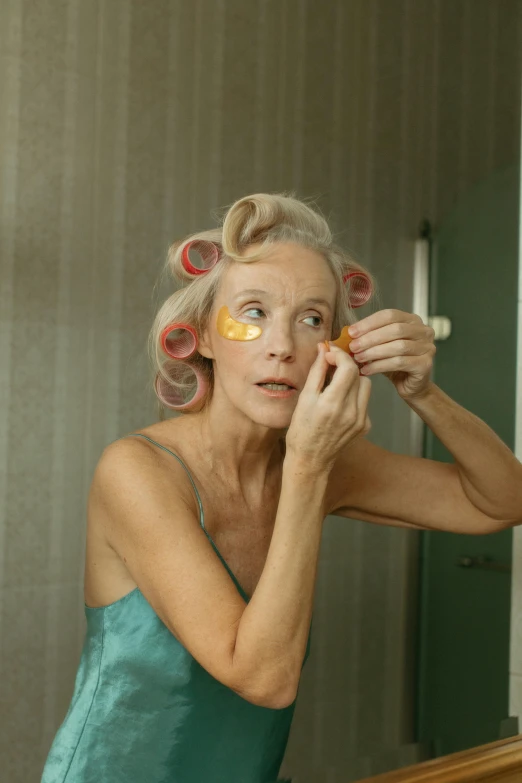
x,y
242,532
241,529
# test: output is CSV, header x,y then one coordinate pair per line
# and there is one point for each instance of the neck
x,y
241,453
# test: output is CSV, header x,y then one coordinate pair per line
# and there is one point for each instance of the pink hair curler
x,y
361,288
208,253
179,340
180,394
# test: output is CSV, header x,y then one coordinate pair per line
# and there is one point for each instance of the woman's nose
x,y
279,343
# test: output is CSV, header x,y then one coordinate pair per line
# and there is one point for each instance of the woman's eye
x,y
253,310
317,318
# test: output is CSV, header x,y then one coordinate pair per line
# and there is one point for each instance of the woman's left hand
x,y
397,344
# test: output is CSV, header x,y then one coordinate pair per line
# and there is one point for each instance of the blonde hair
x,y
264,218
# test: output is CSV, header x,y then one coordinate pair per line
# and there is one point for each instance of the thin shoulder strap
x,y
139,435
201,517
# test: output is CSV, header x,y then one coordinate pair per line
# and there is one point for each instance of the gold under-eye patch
x,y
343,341
234,330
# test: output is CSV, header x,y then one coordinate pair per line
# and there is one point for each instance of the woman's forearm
x,y
273,631
490,473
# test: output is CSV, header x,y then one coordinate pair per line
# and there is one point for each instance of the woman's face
x,y
290,295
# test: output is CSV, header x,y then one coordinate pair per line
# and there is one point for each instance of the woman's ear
x,y
204,347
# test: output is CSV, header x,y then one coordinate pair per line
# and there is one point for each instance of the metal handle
x,y
442,326
420,304
483,563
440,323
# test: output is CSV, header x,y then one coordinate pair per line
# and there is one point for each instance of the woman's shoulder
x,y
151,458
132,474
172,434
171,431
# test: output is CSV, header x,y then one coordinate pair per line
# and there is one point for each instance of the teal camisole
x,y
143,710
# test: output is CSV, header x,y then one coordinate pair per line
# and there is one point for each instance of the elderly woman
x,y
204,529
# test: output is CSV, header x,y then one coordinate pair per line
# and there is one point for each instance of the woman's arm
x,y
490,474
151,522
274,626
149,515
150,518
273,629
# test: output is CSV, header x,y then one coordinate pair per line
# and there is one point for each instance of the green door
x,y
465,609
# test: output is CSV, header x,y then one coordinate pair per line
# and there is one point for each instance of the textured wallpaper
x,y
123,124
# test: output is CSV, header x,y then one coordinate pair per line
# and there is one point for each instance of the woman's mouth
x,y
272,389
276,386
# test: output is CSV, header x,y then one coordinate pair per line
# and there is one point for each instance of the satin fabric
x,y
143,710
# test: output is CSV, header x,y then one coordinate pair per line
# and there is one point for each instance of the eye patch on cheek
x,y
343,341
235,330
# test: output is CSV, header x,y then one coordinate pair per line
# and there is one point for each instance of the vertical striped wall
x,y
123,125
515,667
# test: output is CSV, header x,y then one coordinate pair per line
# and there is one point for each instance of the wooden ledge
x,y
496,762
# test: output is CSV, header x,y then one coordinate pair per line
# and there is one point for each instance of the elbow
x,y
272,683
275,694
491,526
282,696
273,698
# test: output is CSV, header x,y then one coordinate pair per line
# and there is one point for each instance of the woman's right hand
x,y
326,419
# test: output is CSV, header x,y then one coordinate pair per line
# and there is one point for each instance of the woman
x,y
204,529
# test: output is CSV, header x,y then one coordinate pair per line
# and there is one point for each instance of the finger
x,y
331,358
399,330
316,375
379,319
395,348
358,422
410,364
335,355
363,399
346,373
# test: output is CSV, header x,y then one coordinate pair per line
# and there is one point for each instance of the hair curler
x,y
361,288
179,341
208,252
180,394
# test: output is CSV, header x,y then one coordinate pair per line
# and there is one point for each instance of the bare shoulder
x,y
136,465
154,453
129,469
